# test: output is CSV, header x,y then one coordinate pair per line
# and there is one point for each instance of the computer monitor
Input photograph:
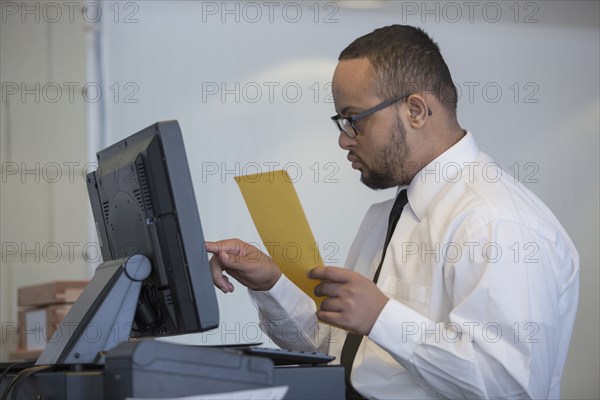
x,y
143,204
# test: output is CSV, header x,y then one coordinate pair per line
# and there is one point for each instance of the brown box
x,y
44,322
50,293
24,355
41,310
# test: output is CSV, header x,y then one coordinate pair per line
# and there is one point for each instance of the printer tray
x,y
155,369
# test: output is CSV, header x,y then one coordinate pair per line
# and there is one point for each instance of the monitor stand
x,y
102,316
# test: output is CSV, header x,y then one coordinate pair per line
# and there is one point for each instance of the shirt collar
x,y
443,170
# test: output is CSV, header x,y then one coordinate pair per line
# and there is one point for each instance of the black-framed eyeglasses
x,y
347,124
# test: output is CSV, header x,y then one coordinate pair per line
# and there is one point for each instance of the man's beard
x,y
387,167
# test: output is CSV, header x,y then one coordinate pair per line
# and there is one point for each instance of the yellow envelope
x,y
282,226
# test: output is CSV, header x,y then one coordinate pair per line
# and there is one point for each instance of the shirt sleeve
x,y
287,316
513,300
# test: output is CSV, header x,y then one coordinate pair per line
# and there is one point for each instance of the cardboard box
x,y
41,310
50,293
24,355
36,326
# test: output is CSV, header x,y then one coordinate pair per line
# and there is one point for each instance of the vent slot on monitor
x,y
106,211
145,200
138,197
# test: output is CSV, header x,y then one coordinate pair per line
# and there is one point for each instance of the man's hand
x,y
247,264
353,301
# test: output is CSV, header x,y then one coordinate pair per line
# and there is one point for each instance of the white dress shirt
x,y
483,288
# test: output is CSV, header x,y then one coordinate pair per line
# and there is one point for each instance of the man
x,y
474,296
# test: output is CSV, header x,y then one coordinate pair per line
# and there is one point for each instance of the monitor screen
x,y
143,203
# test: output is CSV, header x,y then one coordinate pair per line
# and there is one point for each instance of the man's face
x,y
380,150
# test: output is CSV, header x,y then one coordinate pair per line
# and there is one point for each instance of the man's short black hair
x,y
405,60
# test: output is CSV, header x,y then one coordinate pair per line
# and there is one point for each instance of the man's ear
x,y
418,111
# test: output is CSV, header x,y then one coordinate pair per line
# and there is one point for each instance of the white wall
x,y
44,211
546,131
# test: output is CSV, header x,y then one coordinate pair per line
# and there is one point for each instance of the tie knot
x,y
397,208
401,200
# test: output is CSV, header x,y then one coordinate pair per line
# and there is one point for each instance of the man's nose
x,y
345,142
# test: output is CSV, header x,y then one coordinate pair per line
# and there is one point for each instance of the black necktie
x,y
353,340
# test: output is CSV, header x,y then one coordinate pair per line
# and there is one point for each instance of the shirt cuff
x,y
281,300
399,329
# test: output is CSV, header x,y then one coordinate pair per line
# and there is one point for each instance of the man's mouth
x,y
356,162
